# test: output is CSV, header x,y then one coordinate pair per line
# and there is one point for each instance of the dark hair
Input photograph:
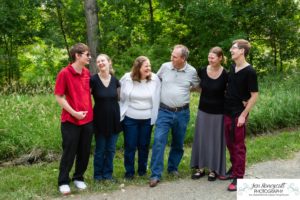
x,y
184,51
243,44
78,48
219,52
135,70
111,70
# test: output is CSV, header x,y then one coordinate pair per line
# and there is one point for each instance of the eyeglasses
x,y
235,47
87,54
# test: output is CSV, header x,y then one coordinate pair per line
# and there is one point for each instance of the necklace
x,y
105,77
214,73
105,80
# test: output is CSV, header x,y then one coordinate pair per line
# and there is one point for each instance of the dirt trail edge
x,y
187,189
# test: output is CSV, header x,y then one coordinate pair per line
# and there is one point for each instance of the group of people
x,y
142,99
225,102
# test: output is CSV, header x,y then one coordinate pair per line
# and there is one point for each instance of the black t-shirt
x,y
106,108
239,88
212,92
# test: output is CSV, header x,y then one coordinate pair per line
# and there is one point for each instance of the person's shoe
x,y
198,174
153,182
98,180
80,185
64,189
223,178
111,180
142,174
227,176
212,176
232,185
174,174
129,177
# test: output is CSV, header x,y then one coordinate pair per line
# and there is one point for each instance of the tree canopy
x,y
35,35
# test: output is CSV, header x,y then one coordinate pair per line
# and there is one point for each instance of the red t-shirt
x,y
76,89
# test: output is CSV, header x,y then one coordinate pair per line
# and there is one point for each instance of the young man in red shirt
x,y
72,92
242,87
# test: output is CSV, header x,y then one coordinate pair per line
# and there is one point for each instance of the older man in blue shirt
x,y
177,77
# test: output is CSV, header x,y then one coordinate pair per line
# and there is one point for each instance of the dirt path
x,y
187,189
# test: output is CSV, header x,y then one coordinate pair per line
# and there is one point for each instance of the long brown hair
x,y
135,70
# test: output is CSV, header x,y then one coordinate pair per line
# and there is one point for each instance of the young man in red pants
x,y
240,97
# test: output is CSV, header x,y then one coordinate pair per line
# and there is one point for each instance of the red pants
x,y
235,142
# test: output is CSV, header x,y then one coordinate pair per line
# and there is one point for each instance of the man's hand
x,y
241,121
80,114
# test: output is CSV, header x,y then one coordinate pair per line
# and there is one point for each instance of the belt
x,y
176,109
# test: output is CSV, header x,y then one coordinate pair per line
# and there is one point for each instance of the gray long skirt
x,y
209,145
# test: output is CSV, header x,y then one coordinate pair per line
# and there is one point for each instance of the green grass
x,y
40,181
278,105
272,146
30,122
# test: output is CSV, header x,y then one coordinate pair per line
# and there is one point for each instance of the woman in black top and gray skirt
x,y
209,145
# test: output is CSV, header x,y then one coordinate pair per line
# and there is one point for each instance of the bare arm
x,y
250,103
196,89
65,105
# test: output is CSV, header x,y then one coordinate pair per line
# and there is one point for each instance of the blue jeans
x,y
137,135
177,122
104,155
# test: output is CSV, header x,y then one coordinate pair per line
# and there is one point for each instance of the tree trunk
x,y
91,15
280,58
151,21
275,55
61,23
8,47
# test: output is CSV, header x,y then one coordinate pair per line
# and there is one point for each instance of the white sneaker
x,y
80,185
65,189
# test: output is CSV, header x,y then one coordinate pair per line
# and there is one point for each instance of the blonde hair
x,y
111,70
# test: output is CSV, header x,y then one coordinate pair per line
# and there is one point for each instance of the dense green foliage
x,y
36,34
30,122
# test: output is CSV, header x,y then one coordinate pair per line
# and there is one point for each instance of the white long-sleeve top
x,y
127,94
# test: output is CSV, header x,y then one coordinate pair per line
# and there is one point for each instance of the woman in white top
x,y
139,103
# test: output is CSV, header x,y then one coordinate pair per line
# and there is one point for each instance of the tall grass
x,y
278,105
33,121
28,122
